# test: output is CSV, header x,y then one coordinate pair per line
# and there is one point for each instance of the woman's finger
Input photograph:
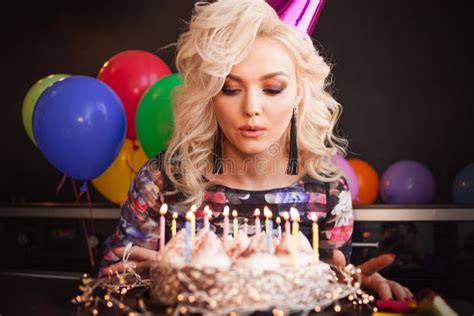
x,y
382,288
338,258
408,293
397,290
151,189
149,193
150,198
376,264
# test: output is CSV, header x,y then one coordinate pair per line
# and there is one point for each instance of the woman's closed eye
x,y
230,91
269,91
273,90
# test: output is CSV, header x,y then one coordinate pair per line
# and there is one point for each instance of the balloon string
x,y
61,183
131,154
89,204
130,162
86,236
76,194
84,226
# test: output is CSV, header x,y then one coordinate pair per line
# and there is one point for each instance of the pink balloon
x,y
349,174
300,13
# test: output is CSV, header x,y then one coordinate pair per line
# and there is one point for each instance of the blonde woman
x,y
254,127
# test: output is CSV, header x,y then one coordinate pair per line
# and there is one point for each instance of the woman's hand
x,y
139,256
371,279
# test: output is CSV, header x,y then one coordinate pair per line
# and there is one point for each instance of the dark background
x,y
402,73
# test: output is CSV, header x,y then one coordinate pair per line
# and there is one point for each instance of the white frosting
x,y
174,250
237,246
304,253
258,262
209,252
256,257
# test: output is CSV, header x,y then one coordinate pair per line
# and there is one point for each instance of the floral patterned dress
x,y
138,222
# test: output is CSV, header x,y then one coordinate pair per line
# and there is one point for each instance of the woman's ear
x,y
300,93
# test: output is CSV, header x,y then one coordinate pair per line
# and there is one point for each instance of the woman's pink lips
x,y
251,133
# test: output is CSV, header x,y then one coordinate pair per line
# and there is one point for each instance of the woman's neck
x,y
262,171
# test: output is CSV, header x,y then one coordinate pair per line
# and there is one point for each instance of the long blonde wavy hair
x,y
219,36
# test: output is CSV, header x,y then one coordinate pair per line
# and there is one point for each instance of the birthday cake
x,y
242,273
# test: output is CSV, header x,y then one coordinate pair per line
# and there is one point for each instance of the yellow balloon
x,y
115,182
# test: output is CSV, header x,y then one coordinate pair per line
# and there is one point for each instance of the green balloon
x,y
32,96
154,118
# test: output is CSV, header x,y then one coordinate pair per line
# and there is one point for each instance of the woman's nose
x,y
252,106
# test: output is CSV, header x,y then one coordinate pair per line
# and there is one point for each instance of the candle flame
x,y
189,215
246,220
267,212
226,211
207,211
234,213
295,215
314,216
286,216
193,208
257,212
163,209
278,220
175,215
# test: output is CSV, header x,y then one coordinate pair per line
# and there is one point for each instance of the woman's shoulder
x,y
336,183
154,170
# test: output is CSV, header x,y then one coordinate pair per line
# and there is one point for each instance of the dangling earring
x,y
293,155
217,168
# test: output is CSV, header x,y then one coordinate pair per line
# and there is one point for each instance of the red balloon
x,y
130,74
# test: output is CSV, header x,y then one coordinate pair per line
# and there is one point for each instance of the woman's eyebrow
x,y
267,76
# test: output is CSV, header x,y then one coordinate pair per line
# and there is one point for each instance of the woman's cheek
x,y
281,115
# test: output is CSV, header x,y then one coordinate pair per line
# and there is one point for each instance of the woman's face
x,y
255,105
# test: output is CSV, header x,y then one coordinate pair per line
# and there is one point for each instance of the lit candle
x,y
257,221
278,221
286,216
207,213
163,210
235,224
269,230
187,246
225,213
193,223
295,217
173,224
314,218
267,214
246,226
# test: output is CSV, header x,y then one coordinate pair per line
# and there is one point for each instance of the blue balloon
x,y
463,185
79,125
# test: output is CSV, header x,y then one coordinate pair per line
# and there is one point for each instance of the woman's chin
x,y
254,149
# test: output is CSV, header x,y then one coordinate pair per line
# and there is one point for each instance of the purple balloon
x,y
349,174
303,14
407,182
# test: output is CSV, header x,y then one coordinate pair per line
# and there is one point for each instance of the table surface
x,y
48,293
